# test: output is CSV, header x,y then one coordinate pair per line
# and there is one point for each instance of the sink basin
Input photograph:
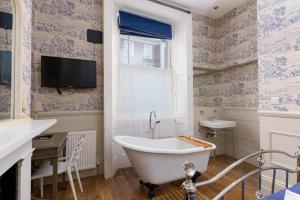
x,y
218,124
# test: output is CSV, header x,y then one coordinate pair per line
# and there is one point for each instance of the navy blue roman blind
x,y
135,25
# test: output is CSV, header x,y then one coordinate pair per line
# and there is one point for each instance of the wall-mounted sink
x,y
218,124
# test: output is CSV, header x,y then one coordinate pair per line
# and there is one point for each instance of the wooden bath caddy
x,y
194,141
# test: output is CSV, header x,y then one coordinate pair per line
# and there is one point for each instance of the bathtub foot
x,y
141,183
196,176
151,194
151,187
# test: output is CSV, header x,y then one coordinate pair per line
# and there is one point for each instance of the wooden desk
x,y
51,149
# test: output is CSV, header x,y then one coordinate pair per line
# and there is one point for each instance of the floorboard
x,y
125,185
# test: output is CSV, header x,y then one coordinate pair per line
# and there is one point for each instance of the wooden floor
x,y
125,185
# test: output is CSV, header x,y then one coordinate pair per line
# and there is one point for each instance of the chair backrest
x,y
76,151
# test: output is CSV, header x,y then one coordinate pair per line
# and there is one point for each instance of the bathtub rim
x,y
118,140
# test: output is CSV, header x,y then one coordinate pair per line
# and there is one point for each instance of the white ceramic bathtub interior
x,y
159,161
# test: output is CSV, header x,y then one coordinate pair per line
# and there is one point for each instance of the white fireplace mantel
x,y
16,146
15,133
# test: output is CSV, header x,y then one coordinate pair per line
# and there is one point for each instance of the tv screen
x,y
68,73
5,68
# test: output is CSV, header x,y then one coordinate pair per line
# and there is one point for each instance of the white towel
x,y
291,195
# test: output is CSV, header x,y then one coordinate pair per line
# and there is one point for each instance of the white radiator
x,y
88,155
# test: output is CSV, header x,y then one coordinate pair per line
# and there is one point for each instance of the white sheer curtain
x,y
140,127
144,89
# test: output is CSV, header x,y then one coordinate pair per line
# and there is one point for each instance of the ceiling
x,y
206,7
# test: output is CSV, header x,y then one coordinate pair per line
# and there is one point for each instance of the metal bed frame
x,y
190,188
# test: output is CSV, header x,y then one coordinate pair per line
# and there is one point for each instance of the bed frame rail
x,y
189,187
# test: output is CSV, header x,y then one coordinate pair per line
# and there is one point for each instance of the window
x,y
147,52
145,77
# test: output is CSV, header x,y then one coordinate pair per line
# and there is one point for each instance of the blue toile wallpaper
x,y
279,54
204,42
231,87
59,29
222,43
226,41
5,45
237,36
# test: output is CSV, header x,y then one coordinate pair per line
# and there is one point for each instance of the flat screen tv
x,y
68,73
5,68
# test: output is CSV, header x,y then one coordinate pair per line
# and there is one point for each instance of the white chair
x,y
64,165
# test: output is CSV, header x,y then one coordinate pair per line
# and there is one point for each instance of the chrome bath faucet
x,y
151,125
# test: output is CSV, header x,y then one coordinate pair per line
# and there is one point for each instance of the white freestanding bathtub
x,y
159,161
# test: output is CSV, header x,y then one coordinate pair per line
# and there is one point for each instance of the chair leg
x,y
69,171
42,187
78,178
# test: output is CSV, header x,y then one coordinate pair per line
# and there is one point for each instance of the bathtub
x,y
159,161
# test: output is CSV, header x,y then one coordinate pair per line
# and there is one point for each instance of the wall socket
x,y
275,101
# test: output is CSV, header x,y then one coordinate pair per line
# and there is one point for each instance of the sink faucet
x,y
151,126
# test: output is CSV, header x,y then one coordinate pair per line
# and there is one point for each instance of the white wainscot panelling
x,y
247,138
78,122
290,145
279,133
246,132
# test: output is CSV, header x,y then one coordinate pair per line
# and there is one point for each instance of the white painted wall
x,y
182,59
110,74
